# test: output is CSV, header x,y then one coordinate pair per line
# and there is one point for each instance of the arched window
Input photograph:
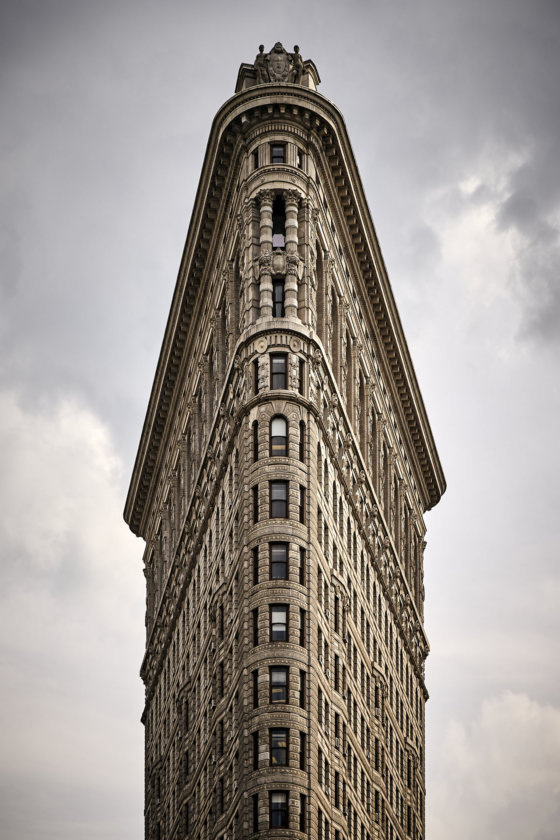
x,y
278,436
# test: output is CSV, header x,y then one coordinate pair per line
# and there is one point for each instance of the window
x,y
278,436
256,376
301,452
302,811
279,809
256,159
278,684
278,499
279,223
255,812
255,552
302,689
255,614
256,503
301,371
278,561
278,153
299,158
301,509
278,622
279,747
278,289
255,440
255,750
302,628
255,689
301,570
278,371
302,750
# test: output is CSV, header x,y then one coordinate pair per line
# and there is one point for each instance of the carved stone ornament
x,y
278,64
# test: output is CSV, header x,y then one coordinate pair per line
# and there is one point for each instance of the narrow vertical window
x,y
301,503
256,159
279,223
255,689
278,809
255,440
279,747
255,565
302,683
301,452
302,750
279,622
255,750
255,812
302,615
278,499
256,376
299,158
278,684
278,561
278,299
255,614
302,812
301,371
256,503
278,436
278,371
301,569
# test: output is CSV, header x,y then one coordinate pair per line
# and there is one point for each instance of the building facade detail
x,y
284,469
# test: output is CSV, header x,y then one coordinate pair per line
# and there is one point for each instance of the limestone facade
x,y
284,468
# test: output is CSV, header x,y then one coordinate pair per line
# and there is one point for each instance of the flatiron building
x,y
284,468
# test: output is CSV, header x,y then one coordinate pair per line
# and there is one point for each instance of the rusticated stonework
x,y
283,472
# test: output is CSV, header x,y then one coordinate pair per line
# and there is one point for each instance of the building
x,y
284,467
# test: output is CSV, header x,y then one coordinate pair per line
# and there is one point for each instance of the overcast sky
x,y
453,110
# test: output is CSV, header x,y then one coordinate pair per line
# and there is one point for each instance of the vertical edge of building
x,y
284,467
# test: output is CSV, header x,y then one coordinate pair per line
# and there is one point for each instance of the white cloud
x,y
499,775
71,628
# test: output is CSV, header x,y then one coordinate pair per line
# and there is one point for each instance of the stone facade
x,y
284,468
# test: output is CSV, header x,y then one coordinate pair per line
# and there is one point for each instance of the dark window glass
x,y
302,811
302,566
256,503
278,365
299,159
278,622
278,684
278,499
278,310
279,561
301,375
255,689
255,440
302,750
255,565
255,627
301,441
302,627
301,503
279,223
256,159
255,812
279,746
279,809
302,689
255,750
256,375
278,436
277,153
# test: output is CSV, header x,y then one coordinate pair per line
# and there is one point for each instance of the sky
x,y
453,112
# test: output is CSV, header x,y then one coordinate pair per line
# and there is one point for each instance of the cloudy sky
x,y
453,111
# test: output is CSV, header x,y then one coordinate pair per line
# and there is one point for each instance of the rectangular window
x,y
302,750
278,298
301,569
278,561
256,376
278,499
256,159
255,565
301,376
279,747
279,622
278,809
278,371
277,153
255,750
299,158
255,614
302,682
278,684
255,689
302,812
256,503
255,812
302,615
301,509
255,440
